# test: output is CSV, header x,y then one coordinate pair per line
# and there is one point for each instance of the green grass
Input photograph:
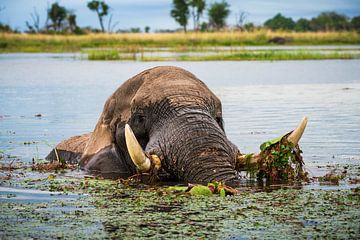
x,y
267,56
10,42
138,46
242,55
109,55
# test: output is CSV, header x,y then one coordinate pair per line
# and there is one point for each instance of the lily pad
x,y
267,144
200,190
176,189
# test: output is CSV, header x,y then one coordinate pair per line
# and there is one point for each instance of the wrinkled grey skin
x,y
173,115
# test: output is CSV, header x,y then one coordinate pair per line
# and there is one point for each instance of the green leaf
x,y
200,190
222,192
267,144
177,189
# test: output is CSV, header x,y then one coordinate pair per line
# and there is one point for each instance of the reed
x,y
259,56
239,55
109,55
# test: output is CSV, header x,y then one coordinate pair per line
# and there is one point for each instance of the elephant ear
x,y
116,109
102,135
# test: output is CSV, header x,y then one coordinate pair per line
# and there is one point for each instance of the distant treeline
x,y
326,21
59,19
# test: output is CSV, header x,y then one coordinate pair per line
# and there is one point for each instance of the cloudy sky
x,y
156,13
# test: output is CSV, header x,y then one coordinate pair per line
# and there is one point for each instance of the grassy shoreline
x,y
178,41
243,55
222,46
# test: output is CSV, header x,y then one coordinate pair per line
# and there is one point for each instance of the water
x,y
261,100
16,194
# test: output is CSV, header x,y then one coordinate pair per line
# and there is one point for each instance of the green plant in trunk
x,y
280,160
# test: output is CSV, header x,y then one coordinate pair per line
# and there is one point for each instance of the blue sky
x,y
156,13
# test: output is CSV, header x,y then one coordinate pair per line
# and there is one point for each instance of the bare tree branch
x,y
36,20
240,19
111,26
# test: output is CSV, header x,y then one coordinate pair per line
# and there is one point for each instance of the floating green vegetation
x,y
109,55
225,55
268,55
280,160
332,178
214,187
118,209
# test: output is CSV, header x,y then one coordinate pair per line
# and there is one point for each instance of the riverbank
x,y
224,54
178,42
218,46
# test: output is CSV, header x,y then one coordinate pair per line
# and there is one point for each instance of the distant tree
x,y
204,26
249,27
279,22
135,30
180,12
57,14
355,23
71,18
101,9
197,9
5,28
330,21
147,29
240,19
35,25
302,25
218,12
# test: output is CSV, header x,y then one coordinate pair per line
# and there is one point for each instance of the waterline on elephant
x,y
194,148
163,121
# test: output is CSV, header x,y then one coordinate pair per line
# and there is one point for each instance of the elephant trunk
x,y
194,148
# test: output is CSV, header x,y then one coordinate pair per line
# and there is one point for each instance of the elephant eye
x,y
139,119
220,121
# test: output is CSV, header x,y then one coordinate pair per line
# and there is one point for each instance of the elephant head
x,y
166,118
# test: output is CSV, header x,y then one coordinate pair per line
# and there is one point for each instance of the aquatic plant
x,y
280,160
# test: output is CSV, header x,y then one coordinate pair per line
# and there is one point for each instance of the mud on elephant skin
x,y
163,119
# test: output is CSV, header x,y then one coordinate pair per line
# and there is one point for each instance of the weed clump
x,y
280,160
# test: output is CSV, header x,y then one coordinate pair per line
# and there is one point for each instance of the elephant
x,y
163,120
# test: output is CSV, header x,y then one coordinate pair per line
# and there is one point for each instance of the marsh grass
x,y
109,55
240,55
183,42
264,56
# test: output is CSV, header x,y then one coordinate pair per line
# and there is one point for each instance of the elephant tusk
x,y
136,153
295,136
243,161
